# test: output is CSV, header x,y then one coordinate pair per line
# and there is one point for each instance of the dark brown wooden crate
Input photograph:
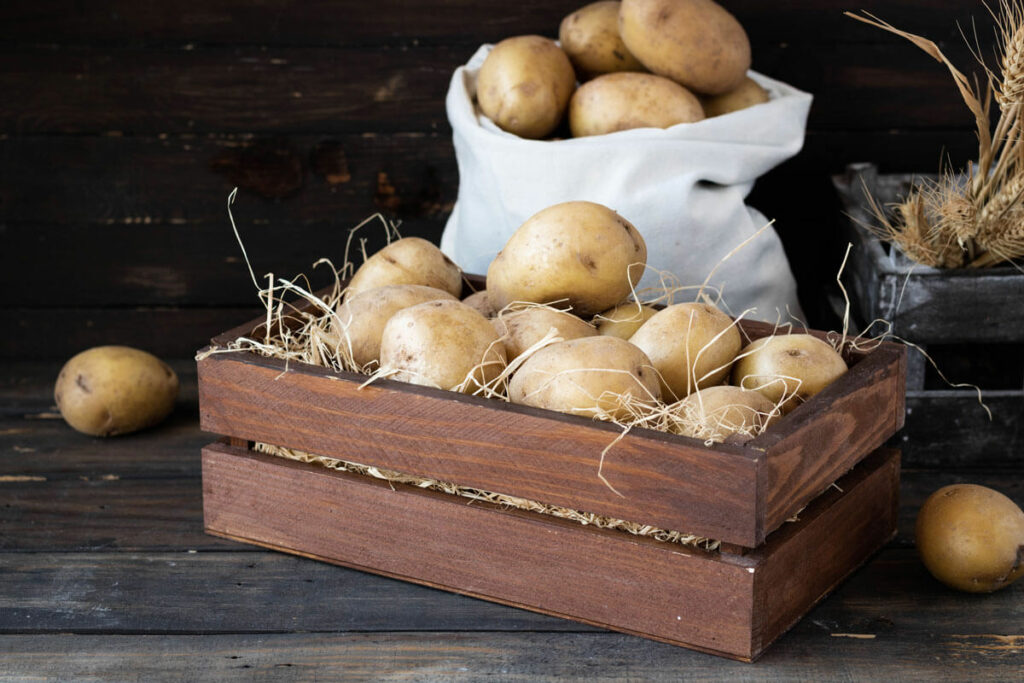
x,y
733,493
725,604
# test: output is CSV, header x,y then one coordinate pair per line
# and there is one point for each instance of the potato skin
x,y
408,261
109,390
623,320
591,40
696,43
692,345
359,321
971,538
580,251
573,376
481,302
524,85
747,94
519,330
438,343
715,413
623,101
794,365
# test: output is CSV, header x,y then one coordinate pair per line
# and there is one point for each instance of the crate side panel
x,y
848,422
493,446
556,567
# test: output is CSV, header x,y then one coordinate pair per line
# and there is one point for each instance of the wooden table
x,y
105,573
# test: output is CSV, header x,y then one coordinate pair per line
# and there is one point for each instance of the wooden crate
x,y
737,494
725,604
973,318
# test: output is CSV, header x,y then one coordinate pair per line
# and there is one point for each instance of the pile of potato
x,y
559,327
640,64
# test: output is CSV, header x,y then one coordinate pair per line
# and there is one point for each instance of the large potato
x,y
746,95
696,43
692,345
359,322
788,369
579,251
110,390
408,261
585,377
440,344
590,38
624,101
520,330
716,413
624,320
524,85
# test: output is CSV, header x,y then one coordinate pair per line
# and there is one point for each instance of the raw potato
x,y
439,344
359,321
696,43
590,38
794,366
624,101
110,390
584,377
716,413
520,330
578,251
692,345
408,261
481,302
971,538
524,85
624,320
746,95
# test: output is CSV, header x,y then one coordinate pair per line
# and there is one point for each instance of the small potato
x,y
359,322
793,367
481,302
971,538
524,85
746,95
110,390
520,330
590,38
585,377
696,43
716,413
408,261
579,251
623,101
624,320
692,345
441,344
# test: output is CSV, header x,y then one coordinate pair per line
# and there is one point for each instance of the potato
x,y
579,251
971,538
716,413
481,302
519,330
408,261
110,390
623,101
692,345
584,377
696,43
746,95
590,38
359,322
524,85
441,344
624,320
794,366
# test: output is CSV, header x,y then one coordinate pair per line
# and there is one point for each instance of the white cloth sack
x,y
682,187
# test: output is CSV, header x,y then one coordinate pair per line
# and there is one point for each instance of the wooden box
x,y
971,320
734,493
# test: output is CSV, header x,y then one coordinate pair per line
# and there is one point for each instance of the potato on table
x,y
109,390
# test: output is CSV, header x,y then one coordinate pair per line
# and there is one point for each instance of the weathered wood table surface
x,y
106,574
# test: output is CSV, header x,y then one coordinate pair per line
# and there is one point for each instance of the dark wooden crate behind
x,y
124,128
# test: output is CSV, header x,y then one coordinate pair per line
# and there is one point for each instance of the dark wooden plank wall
x,y
124,125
